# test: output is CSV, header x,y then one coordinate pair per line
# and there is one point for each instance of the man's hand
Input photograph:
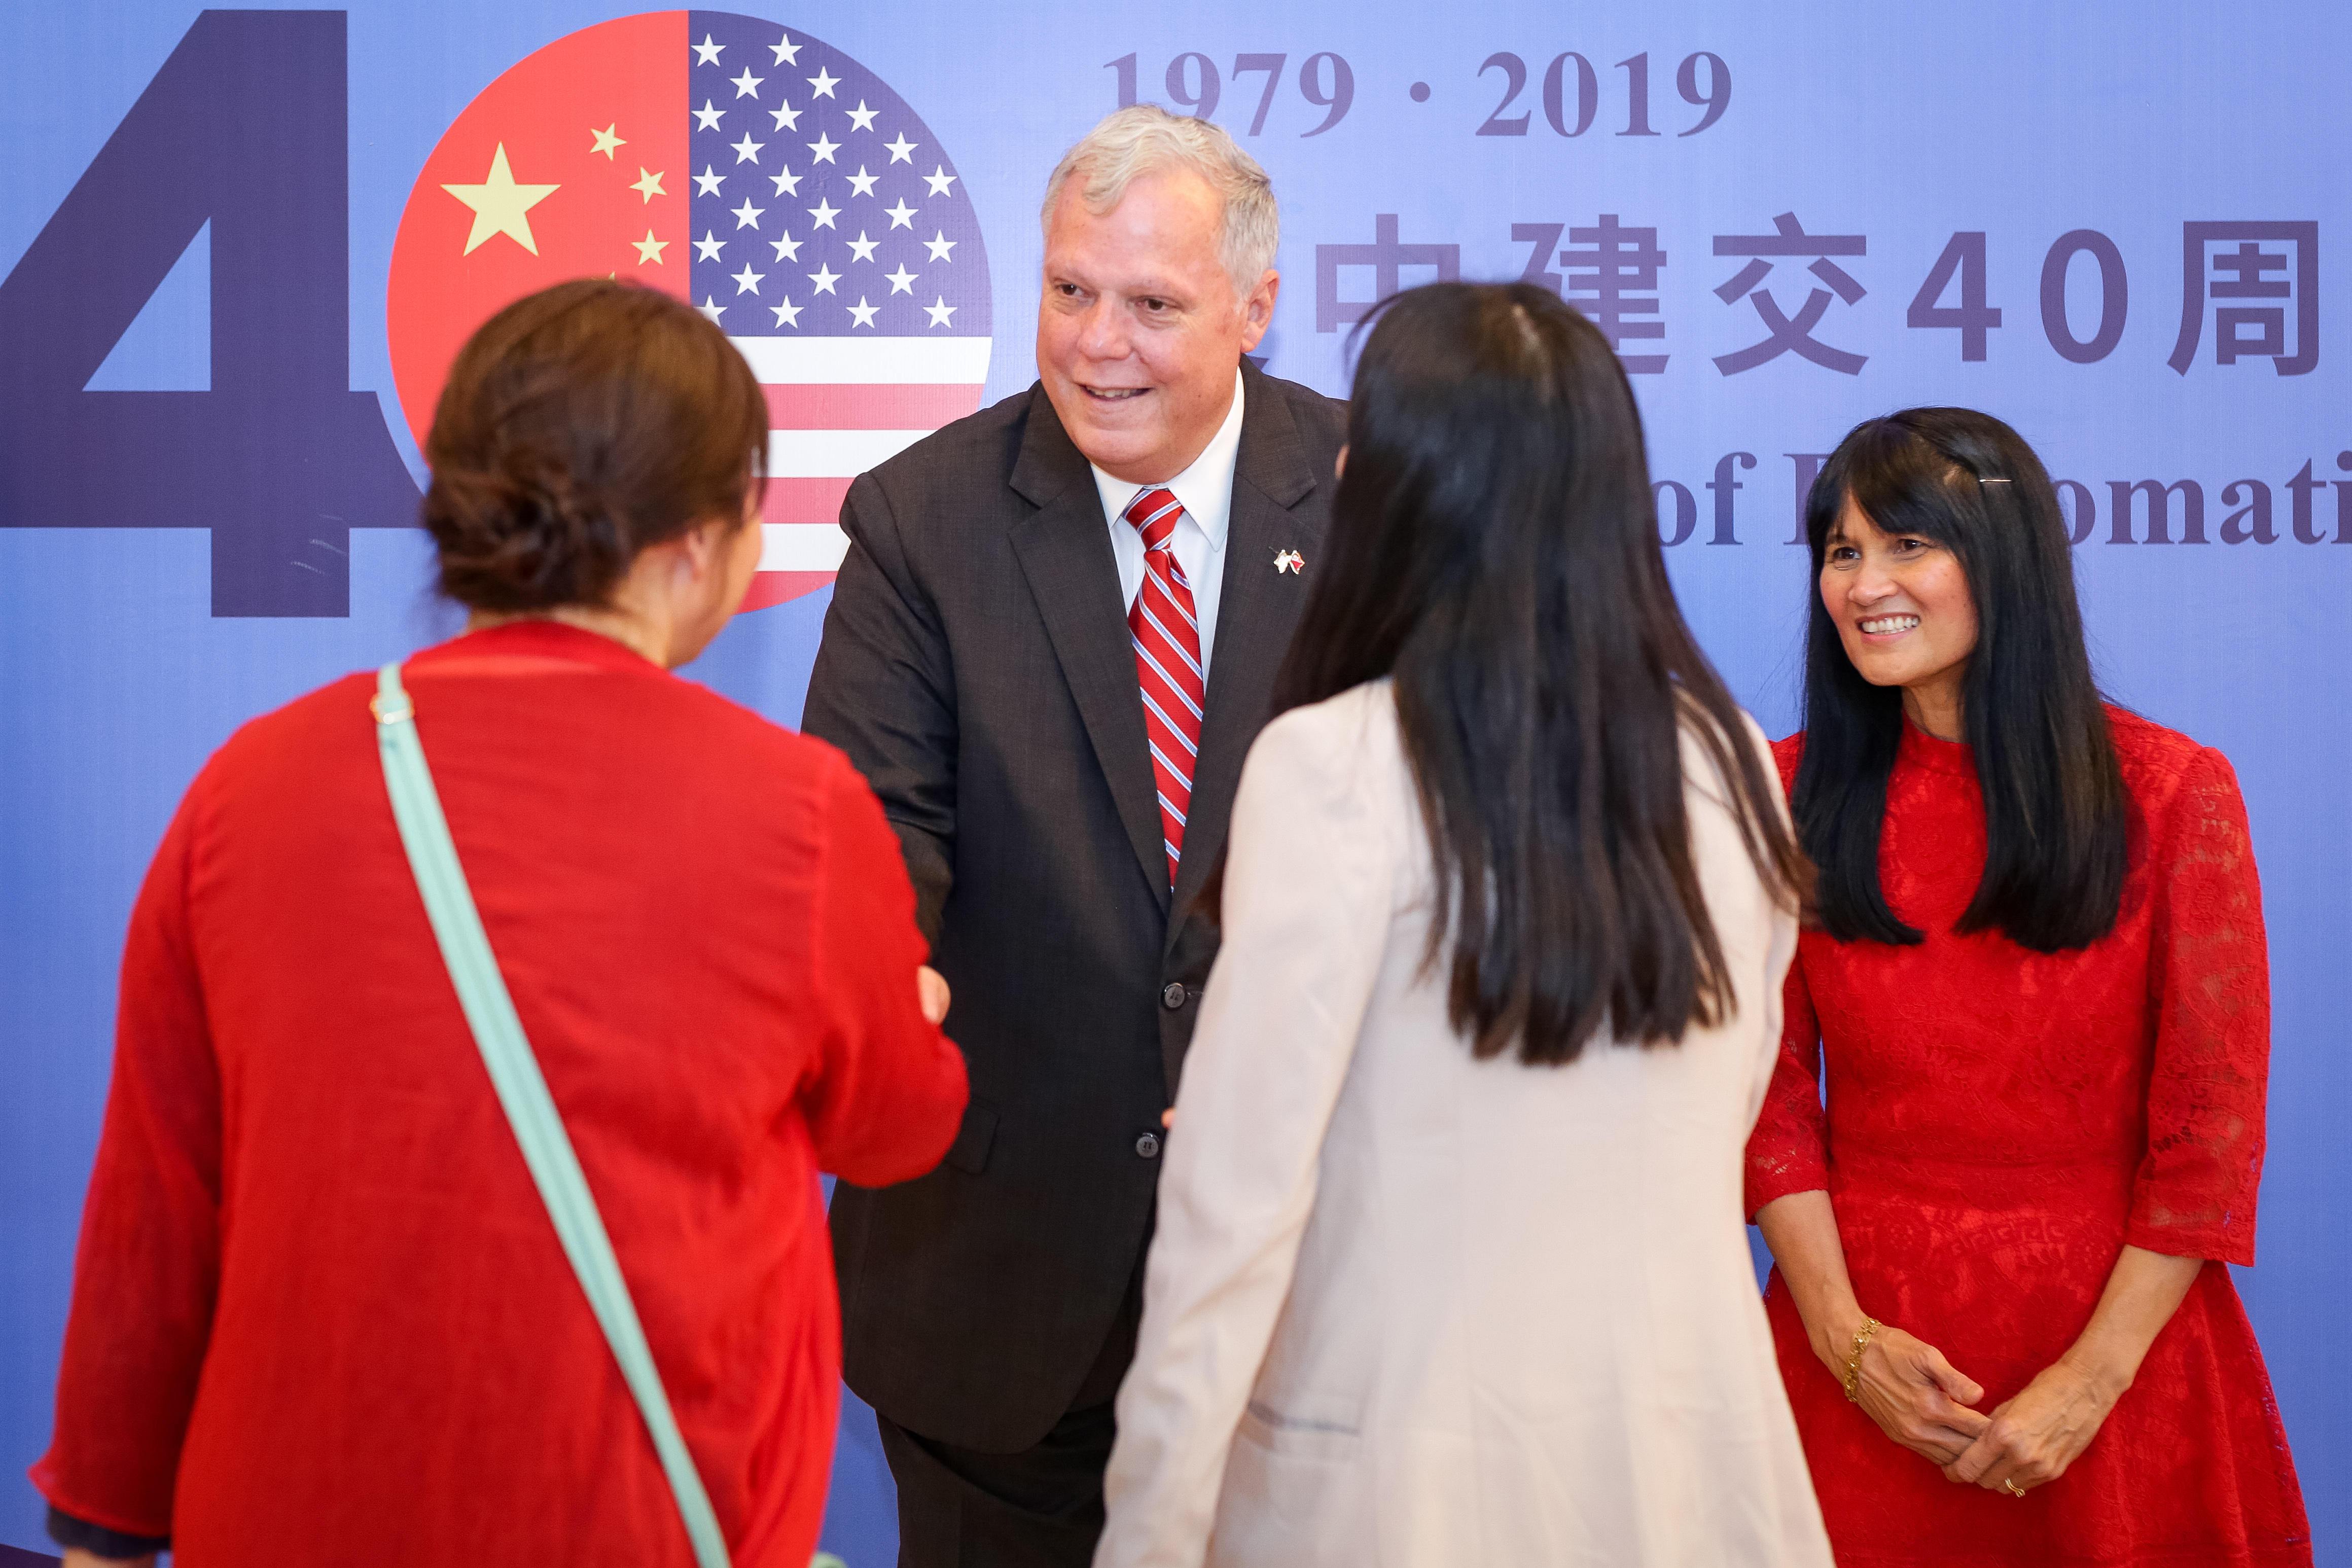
x,y
78,1558
931,994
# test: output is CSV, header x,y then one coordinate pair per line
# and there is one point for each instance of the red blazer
x,y
319,1312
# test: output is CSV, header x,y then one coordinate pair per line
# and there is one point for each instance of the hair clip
x,y
1993,481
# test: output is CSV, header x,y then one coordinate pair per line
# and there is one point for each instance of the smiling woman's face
x,y
1904,612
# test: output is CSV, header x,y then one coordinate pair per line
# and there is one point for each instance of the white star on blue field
x,y
822,204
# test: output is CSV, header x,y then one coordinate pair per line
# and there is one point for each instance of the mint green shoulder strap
x,y
514,1072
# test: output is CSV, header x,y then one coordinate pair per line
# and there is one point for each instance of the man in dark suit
x,y
1052,642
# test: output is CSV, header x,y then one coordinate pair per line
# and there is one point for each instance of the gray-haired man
x,y
1052,642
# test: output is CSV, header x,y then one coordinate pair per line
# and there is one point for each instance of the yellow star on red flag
x,y
499,204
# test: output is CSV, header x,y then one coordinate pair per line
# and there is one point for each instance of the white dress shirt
x,y
1206,491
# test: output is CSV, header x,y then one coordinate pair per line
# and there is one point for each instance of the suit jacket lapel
x,y
1256,612
1065,550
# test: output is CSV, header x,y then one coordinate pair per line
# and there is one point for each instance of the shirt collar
x,y
1205,488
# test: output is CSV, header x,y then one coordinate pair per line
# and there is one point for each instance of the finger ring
x,y
2012,1489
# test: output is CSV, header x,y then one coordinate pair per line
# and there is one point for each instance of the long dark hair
x,y
2054,792
1494,549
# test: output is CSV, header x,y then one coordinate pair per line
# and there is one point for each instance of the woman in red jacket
x,y
2040,997
321,1312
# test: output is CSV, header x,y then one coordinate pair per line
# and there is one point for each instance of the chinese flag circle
x,y
745,167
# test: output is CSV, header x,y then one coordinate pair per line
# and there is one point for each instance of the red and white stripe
x,y
836,407
1167,635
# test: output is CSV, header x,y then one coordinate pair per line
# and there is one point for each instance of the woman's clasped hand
x,y
1918,1398
2031,1439
1923,1402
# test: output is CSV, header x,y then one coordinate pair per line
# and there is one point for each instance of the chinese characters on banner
x,y
2257,282
2252,289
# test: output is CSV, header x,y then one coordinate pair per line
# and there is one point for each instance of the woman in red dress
x,y
320,1313
2039,998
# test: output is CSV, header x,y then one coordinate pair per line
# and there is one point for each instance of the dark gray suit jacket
x,y
976,667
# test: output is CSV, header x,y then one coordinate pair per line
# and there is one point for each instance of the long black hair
x,y
2053,794
1494,549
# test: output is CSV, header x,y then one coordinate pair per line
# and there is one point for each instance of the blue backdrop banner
x,y
237,250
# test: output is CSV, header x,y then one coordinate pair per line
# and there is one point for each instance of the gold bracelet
x,y
1853,1378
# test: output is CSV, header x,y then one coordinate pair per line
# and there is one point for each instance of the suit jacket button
x,y
1174,997
1148,1146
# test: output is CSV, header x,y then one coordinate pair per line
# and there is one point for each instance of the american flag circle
x,y
752,170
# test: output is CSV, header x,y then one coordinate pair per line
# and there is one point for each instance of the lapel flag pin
x,y
1289,561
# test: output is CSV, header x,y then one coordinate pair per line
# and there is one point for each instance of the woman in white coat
x,y
1451,1267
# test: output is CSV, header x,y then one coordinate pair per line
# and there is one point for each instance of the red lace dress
x,y
1999,1123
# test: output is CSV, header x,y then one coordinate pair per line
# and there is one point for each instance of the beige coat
x,y
1405,1307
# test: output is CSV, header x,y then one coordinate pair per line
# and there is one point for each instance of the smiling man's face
x,y
1141,329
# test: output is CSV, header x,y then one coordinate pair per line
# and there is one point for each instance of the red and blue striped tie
x,y
1167,664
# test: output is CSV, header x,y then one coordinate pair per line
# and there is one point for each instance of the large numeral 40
x,y
243,127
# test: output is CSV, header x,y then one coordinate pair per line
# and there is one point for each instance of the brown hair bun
x,y
579,426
